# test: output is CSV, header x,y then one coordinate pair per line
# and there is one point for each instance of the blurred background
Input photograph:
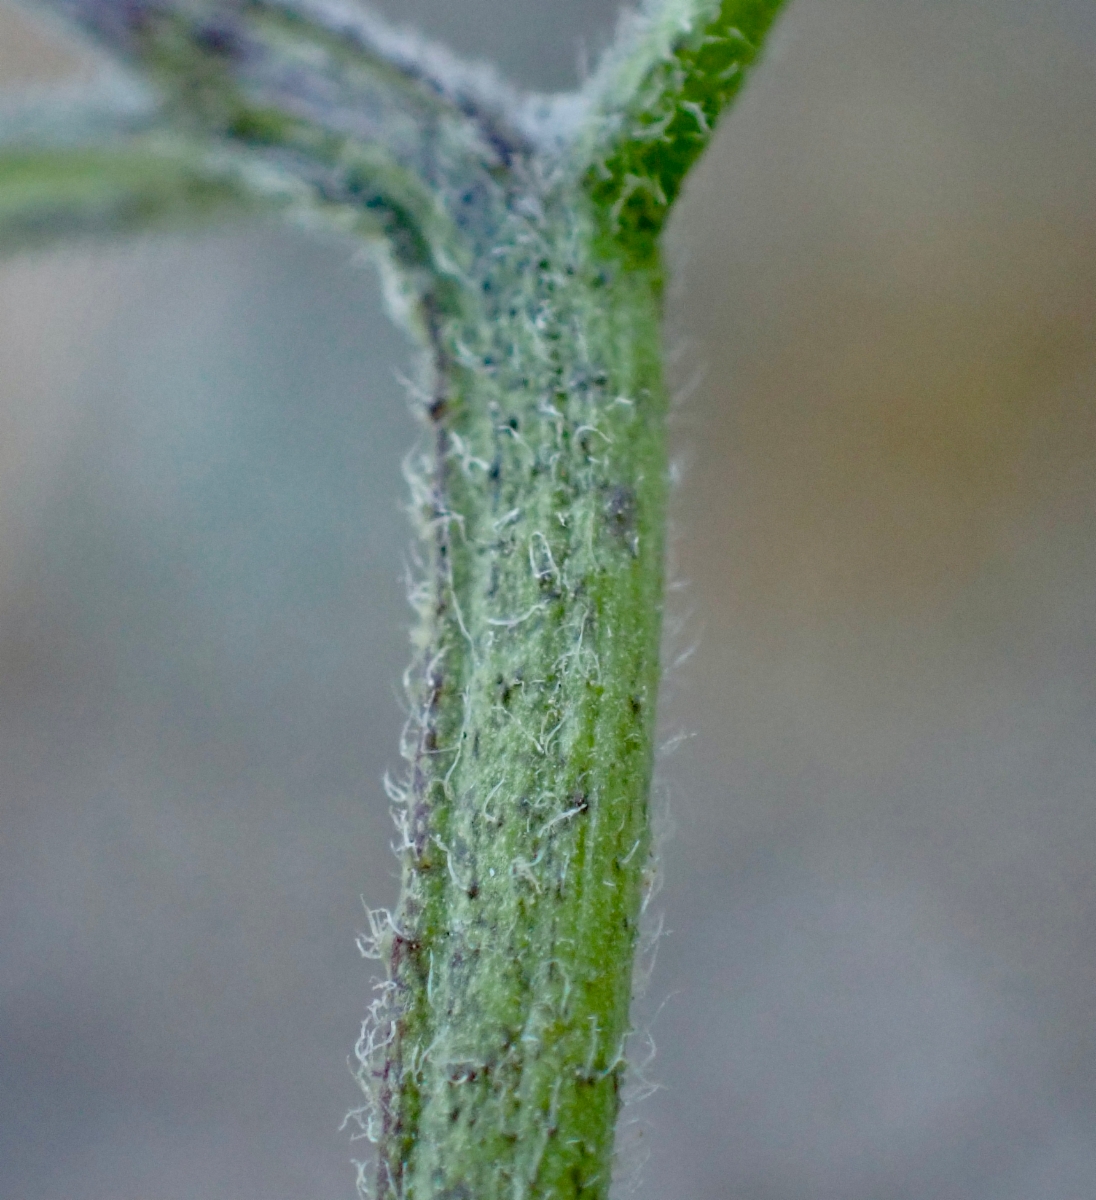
x,y
878,977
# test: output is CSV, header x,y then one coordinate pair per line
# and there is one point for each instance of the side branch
x,y
77,168
310,115
225,65
47,194
655,102
84,160
475,90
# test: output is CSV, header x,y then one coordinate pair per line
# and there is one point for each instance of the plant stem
x,y
499,1056
524,234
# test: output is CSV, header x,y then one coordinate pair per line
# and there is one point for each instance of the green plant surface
x,y
92,191
524,822
524,253
659,103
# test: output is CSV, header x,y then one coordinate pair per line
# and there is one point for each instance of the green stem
x,y
501,1049
529,257
45,194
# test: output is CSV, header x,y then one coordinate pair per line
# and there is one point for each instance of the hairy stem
x,y
495,1058
527,249
497,1063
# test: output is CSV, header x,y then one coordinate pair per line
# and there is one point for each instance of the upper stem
x,y
657,99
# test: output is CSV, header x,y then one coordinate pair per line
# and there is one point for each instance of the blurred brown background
x,y
879,980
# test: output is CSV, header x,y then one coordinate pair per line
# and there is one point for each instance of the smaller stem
x,y
46,194
658,97
473,90
248,112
